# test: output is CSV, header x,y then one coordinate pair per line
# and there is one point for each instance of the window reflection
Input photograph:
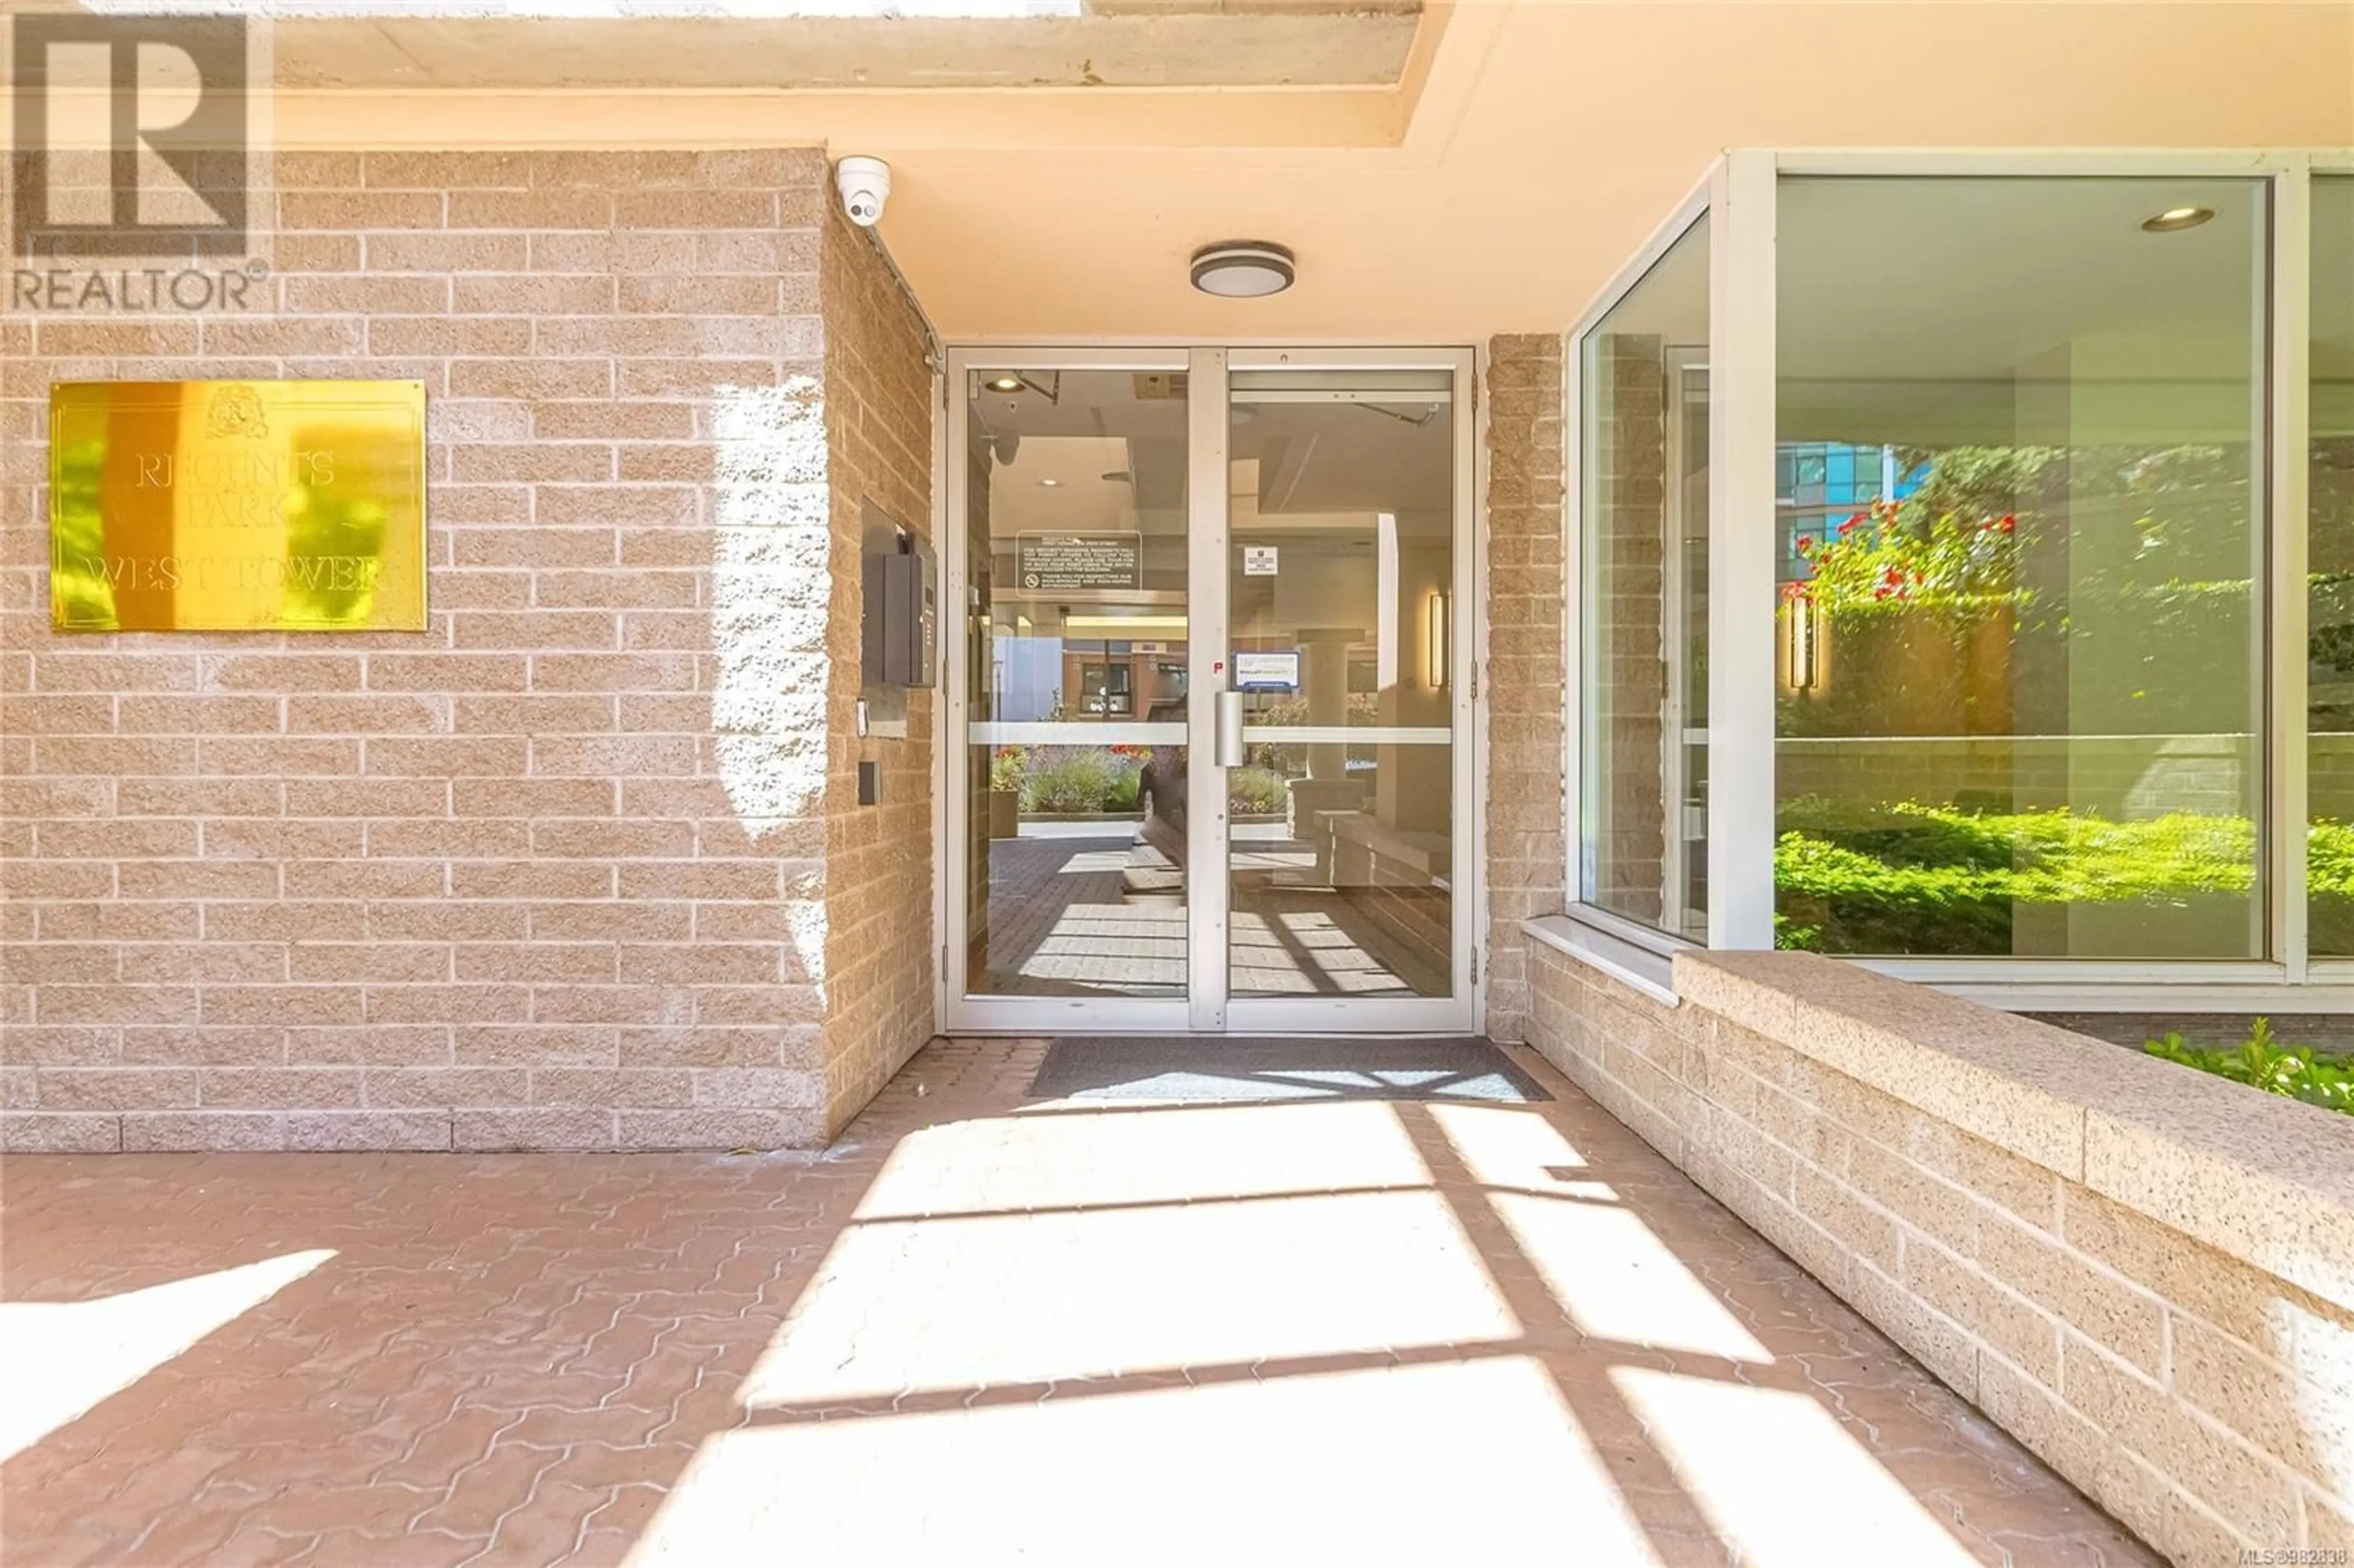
x,y
2329,514
1644,596
2019,652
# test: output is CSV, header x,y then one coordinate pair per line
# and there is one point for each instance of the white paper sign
x,y
1266,672
1259,560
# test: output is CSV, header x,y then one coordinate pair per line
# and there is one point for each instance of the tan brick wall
x,y
2206,1402
1526,856
879,941
561,871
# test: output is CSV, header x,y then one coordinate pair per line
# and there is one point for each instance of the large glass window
x,y
1643,598
2329,512
2019,622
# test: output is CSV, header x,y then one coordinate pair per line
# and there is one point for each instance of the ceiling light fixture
x,y
1049,483
1242,269
1006,384
2176,219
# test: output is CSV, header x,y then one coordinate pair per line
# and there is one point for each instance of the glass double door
x,y
1209,708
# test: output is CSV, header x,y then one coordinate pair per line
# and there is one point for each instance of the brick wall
x,y
2139,1272
879,941
576,866
1525,850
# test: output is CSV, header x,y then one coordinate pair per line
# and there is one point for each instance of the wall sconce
x,y
1434,641
1803,635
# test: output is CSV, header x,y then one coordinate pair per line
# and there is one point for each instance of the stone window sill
x,y
1627,953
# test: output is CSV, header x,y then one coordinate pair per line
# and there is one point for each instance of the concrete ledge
x,y
2145,1274
2262,1177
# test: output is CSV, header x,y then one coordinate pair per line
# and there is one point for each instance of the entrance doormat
x,y
1221,1067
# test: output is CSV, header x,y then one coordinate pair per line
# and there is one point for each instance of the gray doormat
x,y
1215,1067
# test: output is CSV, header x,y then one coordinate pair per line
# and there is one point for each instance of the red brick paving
x,y
1366,1331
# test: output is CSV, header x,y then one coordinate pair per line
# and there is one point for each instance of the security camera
x,y
865,186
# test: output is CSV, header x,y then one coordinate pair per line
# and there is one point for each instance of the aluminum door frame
x,y
962,1012
1457,1013
1206,1008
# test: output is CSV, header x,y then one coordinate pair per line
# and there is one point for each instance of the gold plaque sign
x,y
237,506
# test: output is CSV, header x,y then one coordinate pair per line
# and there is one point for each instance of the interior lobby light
x,y
1127,624
1803,635
2177,217
1006,384
1242,269
1434,641
1048,483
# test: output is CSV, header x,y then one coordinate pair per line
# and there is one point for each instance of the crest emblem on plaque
x,y
235,409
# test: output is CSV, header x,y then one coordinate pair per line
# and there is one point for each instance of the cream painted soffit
x,y
886,76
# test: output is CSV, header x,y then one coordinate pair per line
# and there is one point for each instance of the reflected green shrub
x,y
2263,1062
1078,780
1911,878
78,543
1290,758
335,522
1091,780
1006,765
1257,792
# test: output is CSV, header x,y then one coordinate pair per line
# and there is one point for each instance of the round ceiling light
x,y
1006,384
2176,219
1242,269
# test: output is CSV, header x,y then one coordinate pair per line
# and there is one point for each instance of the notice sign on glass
x,y
1079,563
237,506
1268,671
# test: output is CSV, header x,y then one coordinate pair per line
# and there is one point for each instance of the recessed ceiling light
x,y
1006,384
1242,269
1050,483
2177,217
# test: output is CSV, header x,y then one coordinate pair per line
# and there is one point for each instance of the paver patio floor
x,y
980,1329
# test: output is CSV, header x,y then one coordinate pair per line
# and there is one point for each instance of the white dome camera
x,y
865,186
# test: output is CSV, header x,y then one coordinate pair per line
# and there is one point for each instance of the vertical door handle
x,y
1229,748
